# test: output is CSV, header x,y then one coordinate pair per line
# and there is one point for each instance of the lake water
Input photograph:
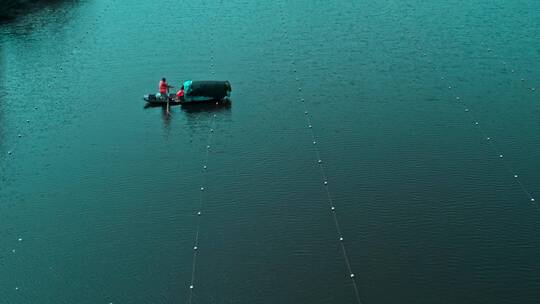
x,y
99,196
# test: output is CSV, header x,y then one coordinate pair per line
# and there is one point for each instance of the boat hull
x,y
195,92
157,101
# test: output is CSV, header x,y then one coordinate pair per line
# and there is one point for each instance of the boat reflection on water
x,y
195,112
206,107
193,107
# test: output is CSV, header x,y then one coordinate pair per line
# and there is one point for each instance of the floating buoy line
x,y
52,82
199,212
512,70
459,100
60,68
332,208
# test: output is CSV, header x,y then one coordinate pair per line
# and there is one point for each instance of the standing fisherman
x,y
164,91
164,87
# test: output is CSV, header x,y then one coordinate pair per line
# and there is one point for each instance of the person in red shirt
x,y
163,87
180,94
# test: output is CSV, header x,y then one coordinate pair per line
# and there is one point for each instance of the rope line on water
x,y
199,212
60,67
489,139
319,161
492,18
204,180
498,152
509,67
54,79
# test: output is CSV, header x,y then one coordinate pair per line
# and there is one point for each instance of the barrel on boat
x,y
206,90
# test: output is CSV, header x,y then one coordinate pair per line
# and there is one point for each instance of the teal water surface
x,y
98,195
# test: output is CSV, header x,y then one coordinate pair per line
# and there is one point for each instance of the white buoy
x,y
488,138
500,156
449,87
325,182
190,286
532,199
211,130
457,98
309,126
466,110
20,239
199,213
9,152
306,112
476,122
204,167
13,250
207,147
195,248
202,188
319,161
16,288
341,239
333,208
314,142
352,275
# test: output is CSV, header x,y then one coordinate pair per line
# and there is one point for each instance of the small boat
x,y
195,92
